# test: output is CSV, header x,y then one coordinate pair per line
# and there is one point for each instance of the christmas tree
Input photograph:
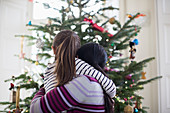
x,y
91,27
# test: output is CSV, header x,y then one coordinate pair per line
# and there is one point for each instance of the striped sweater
x,y
82,68
81,95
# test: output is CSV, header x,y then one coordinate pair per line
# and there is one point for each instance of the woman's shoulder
x,y
86,82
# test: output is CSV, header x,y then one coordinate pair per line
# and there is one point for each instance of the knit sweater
x,y
82,68
81,95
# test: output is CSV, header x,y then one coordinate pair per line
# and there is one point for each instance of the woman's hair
x,y
65,44
94,54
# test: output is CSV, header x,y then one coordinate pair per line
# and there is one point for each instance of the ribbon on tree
x,y
96,27
22,43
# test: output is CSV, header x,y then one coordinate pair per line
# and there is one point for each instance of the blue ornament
x,y
29,23
136,110
136,41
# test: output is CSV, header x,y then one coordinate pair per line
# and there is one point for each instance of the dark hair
x,y
95,55
65,44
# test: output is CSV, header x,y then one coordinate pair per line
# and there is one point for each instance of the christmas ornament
x,y
11,86
135,110
129,15
143,75
67,9
132,50
112,20
125,99
21,55
29,23
110,57
112,44
128,109
17,110
13,96
36,63
135,41
96,27
39,43
128,77
71,1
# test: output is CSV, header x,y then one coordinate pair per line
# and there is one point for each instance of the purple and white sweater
x,y
81,95
82,68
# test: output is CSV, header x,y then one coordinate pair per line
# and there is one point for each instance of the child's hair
x,y
94,54
65,44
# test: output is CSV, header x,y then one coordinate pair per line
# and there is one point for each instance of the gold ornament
x,y
71,1
143,75
36,63
128,109
112,20
67,10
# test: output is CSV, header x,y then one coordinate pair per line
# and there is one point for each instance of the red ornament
x,y
96,27
110,56
30,0
11,86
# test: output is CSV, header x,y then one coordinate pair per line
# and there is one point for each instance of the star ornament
x,y
21,55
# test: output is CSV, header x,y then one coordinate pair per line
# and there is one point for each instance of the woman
x,y
75,93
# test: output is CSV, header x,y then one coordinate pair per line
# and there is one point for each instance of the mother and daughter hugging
x,y
75,82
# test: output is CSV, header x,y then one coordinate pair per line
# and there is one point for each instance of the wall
x,y
146,48
13,18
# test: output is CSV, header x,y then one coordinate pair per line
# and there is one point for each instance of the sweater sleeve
x,y
83,68
55,101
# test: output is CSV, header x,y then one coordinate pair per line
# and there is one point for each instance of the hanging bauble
x,y
13,96
125,99
112,44
71,1
132,53
131,44
128,109
110,56
129,15
39,43
67,9
29,23
22,55
128,77
136,41
36,63
11,86
143,75
135,110
112,20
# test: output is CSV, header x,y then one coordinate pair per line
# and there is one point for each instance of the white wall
x,y
146,48
13,18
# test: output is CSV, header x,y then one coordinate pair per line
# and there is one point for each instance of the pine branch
x,y
148,81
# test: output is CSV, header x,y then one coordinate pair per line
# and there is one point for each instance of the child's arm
x,y
83,68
